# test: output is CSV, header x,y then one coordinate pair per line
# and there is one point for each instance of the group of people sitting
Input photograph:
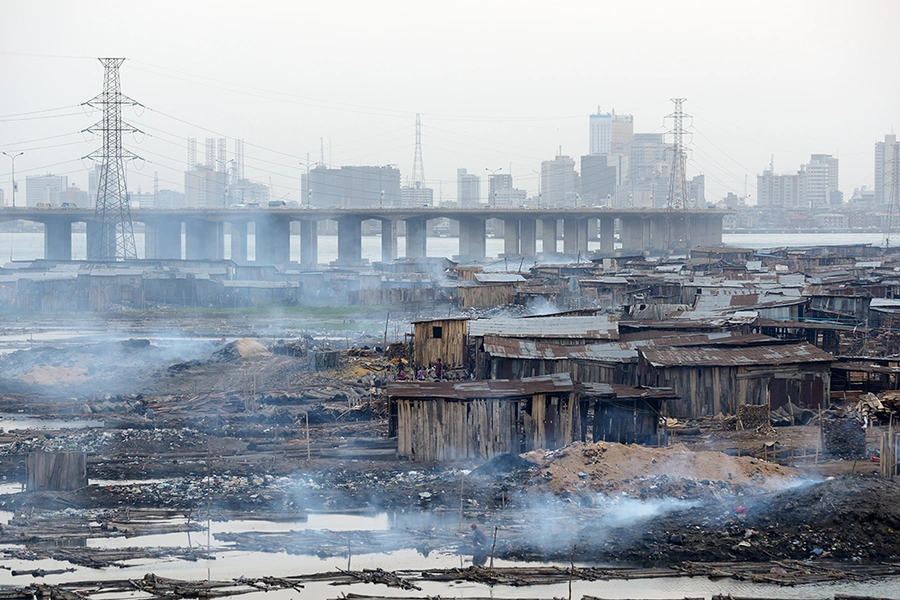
x,y
435,372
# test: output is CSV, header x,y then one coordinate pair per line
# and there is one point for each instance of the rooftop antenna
x,y
321,150
114,234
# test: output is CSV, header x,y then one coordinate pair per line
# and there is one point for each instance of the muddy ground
x,y
248,427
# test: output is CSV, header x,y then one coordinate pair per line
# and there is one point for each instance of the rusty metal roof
x,y
594,327
498,278
490,388
625,392
735,357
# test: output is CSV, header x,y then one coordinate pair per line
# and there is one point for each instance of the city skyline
x,y
357,109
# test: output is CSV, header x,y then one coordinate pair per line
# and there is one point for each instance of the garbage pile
x,y
844,436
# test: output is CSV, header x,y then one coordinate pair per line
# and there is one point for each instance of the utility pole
x,y
114,235
13,160
678,230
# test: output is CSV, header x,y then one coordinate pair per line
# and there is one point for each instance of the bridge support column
x,y
203,240
94,231
239,242
309,245
472,239
575,236
388,240
416,237
548,235
528,237
632,235
162,239
660,238
607,235
58,239
349,241
511,237
273,241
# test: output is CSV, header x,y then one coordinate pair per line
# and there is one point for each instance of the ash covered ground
x,y
222,426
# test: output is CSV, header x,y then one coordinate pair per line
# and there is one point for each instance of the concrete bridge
x,y
639,230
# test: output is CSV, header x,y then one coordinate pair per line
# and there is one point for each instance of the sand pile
x,y
48,375
609,467
242,348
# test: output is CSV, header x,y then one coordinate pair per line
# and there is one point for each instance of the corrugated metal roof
x,y
498,278
719,356
594,327
490,388
625,392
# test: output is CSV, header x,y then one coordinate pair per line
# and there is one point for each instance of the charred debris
x,y
761,387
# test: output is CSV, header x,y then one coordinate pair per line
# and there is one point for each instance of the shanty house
x,y
441,338
436,421
623,414
712,380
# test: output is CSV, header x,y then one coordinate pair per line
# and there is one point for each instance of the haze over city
x,y
498,85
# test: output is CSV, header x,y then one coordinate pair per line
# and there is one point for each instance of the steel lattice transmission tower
x,y
113,235
418,172
678,231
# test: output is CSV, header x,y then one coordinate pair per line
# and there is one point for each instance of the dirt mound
x,y
48,375
606,467
242,348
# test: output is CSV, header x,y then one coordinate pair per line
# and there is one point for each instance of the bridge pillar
x,y
203,240
548,235
511,237
472,239
162,238
349,241
593,230
94,231
416,237
607,235
309,245
58,239
388,240
660,238
528,237
575,236
239,242
273,240
632,234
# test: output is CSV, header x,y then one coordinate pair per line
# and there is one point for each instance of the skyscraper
x,y
467,186
884,161
821,180
352,187
559,181
45,188
610,133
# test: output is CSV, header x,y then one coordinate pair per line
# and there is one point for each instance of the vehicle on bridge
x,y
43,205
68,205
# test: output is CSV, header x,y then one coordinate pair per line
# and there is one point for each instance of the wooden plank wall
x,y
450,348
56,471
431,430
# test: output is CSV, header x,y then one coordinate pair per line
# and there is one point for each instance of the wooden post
x,y
56,471
307,437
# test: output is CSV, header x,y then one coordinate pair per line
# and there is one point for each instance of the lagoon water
x,y
30,245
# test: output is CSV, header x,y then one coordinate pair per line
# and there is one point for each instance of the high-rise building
x,y
559,181
352,187
648,172
884,163
2,197
45,189
697,193
599,179
779,191
610,133
497,182
204,187
467,188
821,180
411,196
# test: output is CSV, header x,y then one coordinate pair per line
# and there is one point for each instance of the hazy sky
x,y
499,84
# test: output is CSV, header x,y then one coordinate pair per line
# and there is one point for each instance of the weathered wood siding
x,y
56,471
450,347
712,390
436,429
486,295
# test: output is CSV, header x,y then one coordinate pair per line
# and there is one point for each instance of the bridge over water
x,y
639,230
